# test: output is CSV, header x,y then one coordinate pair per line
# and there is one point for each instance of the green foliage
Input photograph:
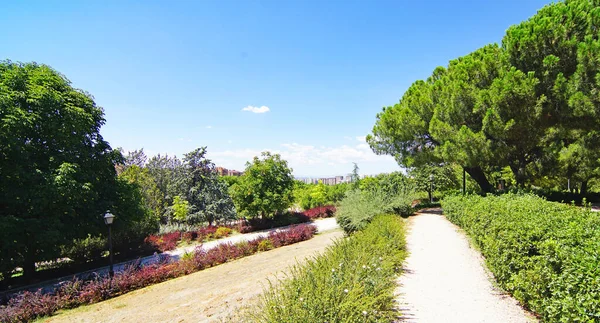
x,y
265,189
530,104
546,254
82,250
309,196
152,198
359,207
57,174
353,281
265,245
181,209
194,179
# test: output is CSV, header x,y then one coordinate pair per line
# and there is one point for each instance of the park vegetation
x,y
526,110
58,177
386,193
27,306
546,254
353,281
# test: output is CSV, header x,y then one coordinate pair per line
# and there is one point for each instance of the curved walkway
x,y
444,279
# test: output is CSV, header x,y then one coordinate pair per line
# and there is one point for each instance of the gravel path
x,y
445,279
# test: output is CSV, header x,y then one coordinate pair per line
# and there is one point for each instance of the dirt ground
x,y
210,295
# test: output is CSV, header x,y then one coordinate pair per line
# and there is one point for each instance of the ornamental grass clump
x,y
353,281
546,254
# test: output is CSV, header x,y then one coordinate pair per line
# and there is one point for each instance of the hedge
x,y
546,254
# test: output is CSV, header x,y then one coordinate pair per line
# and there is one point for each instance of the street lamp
x,y
431,188
108,220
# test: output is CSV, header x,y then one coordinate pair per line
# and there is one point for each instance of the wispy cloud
x,y
262,109
309,159
208,127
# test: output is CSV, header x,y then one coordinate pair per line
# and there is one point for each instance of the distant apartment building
x,y
326,180
222,171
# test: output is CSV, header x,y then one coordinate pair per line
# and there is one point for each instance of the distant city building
x,y
222,171
326,180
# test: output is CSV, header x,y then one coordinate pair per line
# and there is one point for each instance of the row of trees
x,y
531,104
58,177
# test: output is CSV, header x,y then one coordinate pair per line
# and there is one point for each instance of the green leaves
x,y
266,188
513,105
57,174
546,254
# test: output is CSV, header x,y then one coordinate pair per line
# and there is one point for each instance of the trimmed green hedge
x,y
353,281
546,254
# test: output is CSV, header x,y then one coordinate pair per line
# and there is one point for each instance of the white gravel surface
x,y
444,278
321,224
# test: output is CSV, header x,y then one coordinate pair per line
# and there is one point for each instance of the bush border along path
x,y
546,254
28,306
353,281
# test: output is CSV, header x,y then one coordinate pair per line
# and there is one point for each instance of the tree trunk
x,y
478,176
584,188
519,173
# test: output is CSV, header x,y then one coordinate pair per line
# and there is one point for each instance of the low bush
x,y
546,254
222,232
359,207
164,242
325,211
353,281
27,306
280,220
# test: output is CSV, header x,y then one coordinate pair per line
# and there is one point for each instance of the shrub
x,y
353,281
265,245
279,220
320,212
222,232
27,306
546,254
83,250
164,242
358,208
189,236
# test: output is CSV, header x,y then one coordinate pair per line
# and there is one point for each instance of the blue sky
x,y
176,75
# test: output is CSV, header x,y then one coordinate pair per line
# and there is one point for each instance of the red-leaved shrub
x,y
320,212
27,306
164,242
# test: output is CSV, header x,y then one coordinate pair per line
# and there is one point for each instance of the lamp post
x,y
108,220
431,188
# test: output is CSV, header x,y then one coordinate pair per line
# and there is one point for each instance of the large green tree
x,y
57,174
515,105
207,194
266,188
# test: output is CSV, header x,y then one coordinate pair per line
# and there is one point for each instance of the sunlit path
x,y
444,279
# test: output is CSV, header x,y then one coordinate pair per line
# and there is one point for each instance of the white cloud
x,y
262,109
361,138
309,160
208,127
